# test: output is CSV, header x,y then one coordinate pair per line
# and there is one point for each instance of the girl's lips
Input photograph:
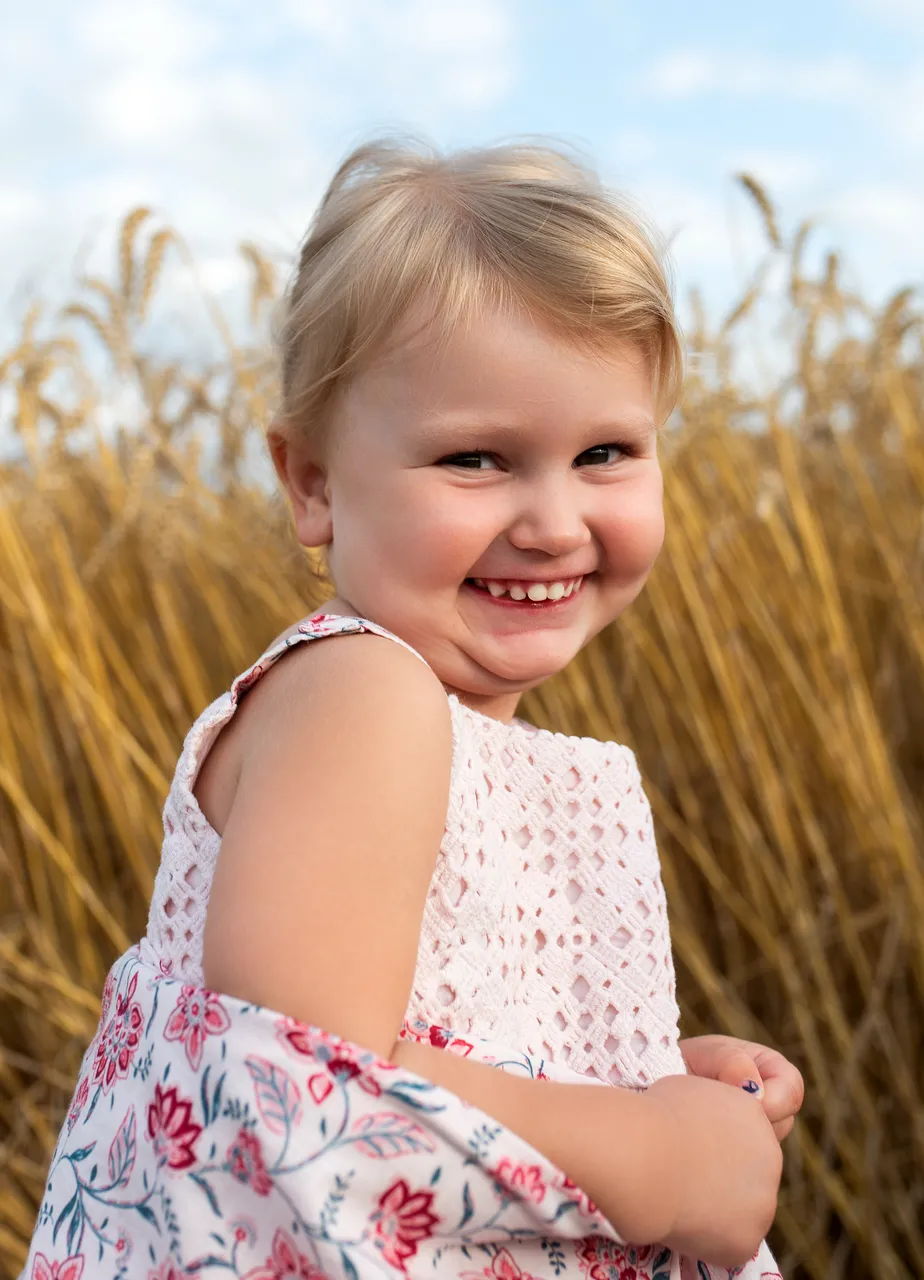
x,y
510,603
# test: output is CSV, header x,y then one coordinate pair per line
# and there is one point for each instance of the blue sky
x,y
229,117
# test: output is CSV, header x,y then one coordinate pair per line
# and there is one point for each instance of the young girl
x,y
296,1071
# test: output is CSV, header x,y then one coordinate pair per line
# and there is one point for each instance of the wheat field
x,y
771,680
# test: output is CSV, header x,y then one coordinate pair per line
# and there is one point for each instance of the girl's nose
x,y
550,520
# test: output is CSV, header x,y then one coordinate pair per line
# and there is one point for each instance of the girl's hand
x,y
707,1182
744,1063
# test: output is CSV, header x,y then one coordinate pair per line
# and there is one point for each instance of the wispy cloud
x,y
689,73
461,51
227,118
895,99
890,209
906,13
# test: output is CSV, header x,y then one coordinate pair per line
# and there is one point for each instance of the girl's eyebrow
x,y
447,428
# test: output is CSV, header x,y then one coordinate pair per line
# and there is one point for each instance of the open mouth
x,y
524,594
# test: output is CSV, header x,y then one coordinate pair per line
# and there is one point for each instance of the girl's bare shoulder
x,y
363,681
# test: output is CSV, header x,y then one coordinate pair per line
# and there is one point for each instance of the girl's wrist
x,y
660,1156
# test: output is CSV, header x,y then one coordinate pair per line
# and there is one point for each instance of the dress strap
x,y
316,628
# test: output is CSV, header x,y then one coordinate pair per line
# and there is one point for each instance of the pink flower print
x,y
440,1038
574,1192
339,1058
503,1267
524,1179
244,682
198,1013
344,1069
402,1220
244,1229
166,1271
246,1163
285,1262
172,1129
69,1269
319,1086
305,1041
119,1040
601,1259
108,989
416,1029
78,1102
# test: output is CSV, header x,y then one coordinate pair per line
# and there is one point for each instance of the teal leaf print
x,y
278,1098
407,1091
210,1260
349,1270
122,1151
63,1216
75,1229
388,1134
210,1194
468,1209
148,1214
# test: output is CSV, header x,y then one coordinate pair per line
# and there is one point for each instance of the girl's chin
x,y
518,673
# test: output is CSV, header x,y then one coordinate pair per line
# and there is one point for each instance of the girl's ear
x,y
305,481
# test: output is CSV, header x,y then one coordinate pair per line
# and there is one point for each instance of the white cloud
x,y
893,98
781,172
147,31
683,74
703,232
888,209
461,50
18,203
632,146
228,125
908,13
690,73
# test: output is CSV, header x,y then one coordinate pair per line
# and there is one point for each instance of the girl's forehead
x,y
493,350
502,375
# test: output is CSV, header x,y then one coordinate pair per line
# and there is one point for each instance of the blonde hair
x,y
516,226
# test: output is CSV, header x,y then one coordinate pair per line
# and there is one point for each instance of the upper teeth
x,y
533,590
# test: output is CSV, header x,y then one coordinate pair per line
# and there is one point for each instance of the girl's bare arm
x,y
603,1138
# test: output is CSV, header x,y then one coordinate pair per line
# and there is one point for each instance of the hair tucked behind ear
x,y
517,226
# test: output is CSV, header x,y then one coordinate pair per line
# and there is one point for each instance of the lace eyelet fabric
x,y
545,924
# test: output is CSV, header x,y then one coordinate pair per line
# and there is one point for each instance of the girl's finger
x,y
735,1066
784,1087
783,1128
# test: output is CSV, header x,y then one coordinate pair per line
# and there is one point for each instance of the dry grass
x,y
771,680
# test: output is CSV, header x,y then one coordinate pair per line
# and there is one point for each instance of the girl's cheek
x,y
464,524
634,541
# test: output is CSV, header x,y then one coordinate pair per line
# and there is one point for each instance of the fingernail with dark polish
x,y
751,1086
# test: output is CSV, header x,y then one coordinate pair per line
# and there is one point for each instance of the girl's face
x,y
501,459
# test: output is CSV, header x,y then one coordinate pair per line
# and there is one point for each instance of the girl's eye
x,y
470,461
481,460
598,454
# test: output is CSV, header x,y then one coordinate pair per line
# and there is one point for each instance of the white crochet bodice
x,y
545,926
